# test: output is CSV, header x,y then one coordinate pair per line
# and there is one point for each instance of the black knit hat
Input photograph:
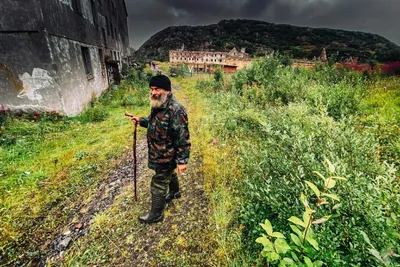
x,y
161,81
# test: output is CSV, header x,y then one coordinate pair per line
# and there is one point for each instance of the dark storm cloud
x,y
199,8
150,16
254,8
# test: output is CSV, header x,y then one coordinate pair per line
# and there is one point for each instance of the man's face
x,y
156,92
158,96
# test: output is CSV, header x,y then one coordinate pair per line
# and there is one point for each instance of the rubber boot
x,y
157,209
173,189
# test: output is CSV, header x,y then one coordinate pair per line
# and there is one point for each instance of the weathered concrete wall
x,y
41,58
61,20
54,79
77,89
20,15
26,72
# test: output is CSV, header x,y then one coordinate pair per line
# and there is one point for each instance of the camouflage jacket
x,y
167,135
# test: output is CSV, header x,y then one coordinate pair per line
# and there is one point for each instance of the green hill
x,y
259,37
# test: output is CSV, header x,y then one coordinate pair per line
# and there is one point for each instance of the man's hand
x,y
181,168
132,117
135,119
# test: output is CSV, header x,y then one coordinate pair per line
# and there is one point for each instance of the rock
x,y
67,233
65,243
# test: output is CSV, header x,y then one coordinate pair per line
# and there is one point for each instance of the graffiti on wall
x,y
40,79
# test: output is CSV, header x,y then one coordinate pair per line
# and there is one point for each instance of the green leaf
x,y
318,263
333,196
313,242
288,260
320,175
338,178
303,198
296,230
308,262
376,254
268,246
281,246
267,227
273,256
306,217
321,220
278,235
294,256
314,188
337,206
331,167
366,238
330,183
297,221
295,239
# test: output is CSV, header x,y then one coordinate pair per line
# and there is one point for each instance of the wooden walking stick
x,y
134,158
134,153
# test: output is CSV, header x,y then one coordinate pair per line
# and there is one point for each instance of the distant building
x,y
206,61
323,57
58,54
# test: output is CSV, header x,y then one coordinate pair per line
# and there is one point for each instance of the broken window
x,y
101,58
87,62
108,26
94,12
104,37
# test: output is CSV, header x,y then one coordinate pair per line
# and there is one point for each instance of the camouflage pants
x,y
160,182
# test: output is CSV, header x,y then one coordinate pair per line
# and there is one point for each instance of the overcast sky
x,y
147,17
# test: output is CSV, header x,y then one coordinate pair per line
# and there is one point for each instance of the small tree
x,y
218,79
286,60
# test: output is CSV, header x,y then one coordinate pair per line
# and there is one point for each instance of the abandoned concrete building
x,y
55,55
206,61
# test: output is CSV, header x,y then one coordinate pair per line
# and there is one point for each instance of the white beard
x,y
156,103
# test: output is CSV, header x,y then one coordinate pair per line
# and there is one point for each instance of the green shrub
x,y
218,79
294,144
94,114
284,124
7,140
205,86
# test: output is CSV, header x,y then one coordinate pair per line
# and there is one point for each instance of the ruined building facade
x,y
206,60
55,54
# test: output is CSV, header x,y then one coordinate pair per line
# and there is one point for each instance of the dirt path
x,y
182,239
118,179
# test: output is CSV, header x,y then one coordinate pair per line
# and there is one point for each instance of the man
x,y
168,145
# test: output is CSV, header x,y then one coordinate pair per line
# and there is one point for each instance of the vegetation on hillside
x,y
260,38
